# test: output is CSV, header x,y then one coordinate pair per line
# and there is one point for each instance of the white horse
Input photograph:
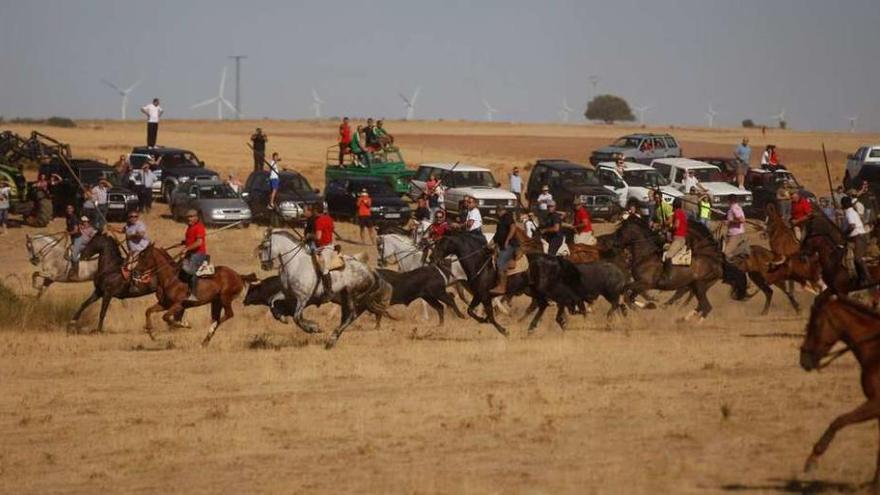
x,y
356,287
401,249
50,253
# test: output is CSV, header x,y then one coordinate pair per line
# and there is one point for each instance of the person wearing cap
x,y
506,243
552,229
801,211
583,224
735,243
195,250
85,233
365,215
135,232
543,199
857,235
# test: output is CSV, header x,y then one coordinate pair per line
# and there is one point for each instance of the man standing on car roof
x,y
344,139
259,146
274,179
153,111
743,154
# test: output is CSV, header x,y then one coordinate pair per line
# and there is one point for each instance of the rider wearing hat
x,y
85,233
195,250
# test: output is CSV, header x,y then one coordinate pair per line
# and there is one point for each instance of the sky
x,y
816,59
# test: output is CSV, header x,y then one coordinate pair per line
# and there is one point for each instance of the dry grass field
x,y
646,404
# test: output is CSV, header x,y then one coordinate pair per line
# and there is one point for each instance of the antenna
x,y
122,92
237,59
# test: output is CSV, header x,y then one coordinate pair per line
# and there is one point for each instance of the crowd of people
x,y
363,141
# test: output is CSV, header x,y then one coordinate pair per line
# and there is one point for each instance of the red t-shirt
x,y
582,218
363,206
324,225
438,230
801,209
195,232
681,217
345,134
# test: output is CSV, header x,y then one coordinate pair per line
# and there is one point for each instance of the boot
x,y
192,289
501,287
663,280
328,286
73,270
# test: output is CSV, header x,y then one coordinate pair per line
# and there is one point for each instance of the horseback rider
x,y
855,232
679,231
633,209
85,232
324,248
552,229
439,227
195,250
135,232
583,224
736,246
801,211
506,243
474,222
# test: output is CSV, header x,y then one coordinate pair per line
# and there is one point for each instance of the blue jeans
x,y
478,233
192,263
504,257
78,244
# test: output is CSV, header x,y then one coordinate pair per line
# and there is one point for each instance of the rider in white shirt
x,y
474,222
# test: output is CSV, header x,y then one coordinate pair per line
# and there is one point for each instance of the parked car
x,y
387,207
861,166
294,192
637,182
567,181
177,167
640,148
710,177
463,180
121,200
764,184
726,165
215,201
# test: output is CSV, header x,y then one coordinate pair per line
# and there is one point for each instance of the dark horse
x,y
707,266
219,289
109,281
832,319
824,238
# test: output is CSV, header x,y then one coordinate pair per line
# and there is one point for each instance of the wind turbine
x,y
489,110
316,103
710,116
410,103
564,110
780,117
220,100
641,111
122,92
594,81
852,122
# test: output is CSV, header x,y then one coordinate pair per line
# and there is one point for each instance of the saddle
x,y
337,262
582,253
519,264
683,258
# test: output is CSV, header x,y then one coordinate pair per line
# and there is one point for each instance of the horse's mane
x,y
288,235
829,295
821,224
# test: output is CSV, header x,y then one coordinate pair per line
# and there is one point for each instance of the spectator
x,y
153,111
705,213
5,193
357,150
259,140
691,203
365,215
743,155
620,165
234,184
123,170
385,140
148,179
516,186
529,224
344,139
370,139
773,160
765,157
274,179
662,213
691,182
544,199
552,229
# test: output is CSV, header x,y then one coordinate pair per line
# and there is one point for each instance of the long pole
x,y
828,173
237,59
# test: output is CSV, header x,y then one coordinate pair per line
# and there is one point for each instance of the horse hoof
x,y
329,344
811,463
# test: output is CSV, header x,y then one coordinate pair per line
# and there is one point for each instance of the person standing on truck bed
x,y
153,111
344,139
259,141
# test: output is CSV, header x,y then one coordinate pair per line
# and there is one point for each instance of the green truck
x,y
386,164
18,187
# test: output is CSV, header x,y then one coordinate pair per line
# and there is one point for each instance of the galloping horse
x,y
832,319
49,252
356,287
109,282
780,236
220,289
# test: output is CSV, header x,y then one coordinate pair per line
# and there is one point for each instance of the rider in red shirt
x,y
195,250
801,210
583,224
324,248
344,139
679,230
439,227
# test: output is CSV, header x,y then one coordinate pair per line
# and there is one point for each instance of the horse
x,y
835,318
707,267
780,236
108,279
356,287
219,289
49,252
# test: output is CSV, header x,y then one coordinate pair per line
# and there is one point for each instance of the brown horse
x,y
779,235
766,270
219,289
832,319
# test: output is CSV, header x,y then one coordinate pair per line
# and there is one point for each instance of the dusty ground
x,y
643,405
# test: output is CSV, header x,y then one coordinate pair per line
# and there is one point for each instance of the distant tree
x,y
609,109
60,122
783,124
748,123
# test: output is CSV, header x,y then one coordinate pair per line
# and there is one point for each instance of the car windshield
x,y
707,174
374,188
180,160
875,153
581,177
91,176
295,184
626,142
217,191
474,179
644,178
780,178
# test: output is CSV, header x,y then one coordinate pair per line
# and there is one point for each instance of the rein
x,y
56,239
833,356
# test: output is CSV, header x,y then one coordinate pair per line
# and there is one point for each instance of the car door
x,y
258,194
612,181
659,150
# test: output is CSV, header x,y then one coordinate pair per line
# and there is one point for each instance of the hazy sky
x,y
819,60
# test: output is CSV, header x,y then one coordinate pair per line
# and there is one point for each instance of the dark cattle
x,y
267,292
427,283
603,278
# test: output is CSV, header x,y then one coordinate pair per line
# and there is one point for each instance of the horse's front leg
x,y
148,326
349,313
88,302
866,411
298,318
490,316
105,304
542,306
471,310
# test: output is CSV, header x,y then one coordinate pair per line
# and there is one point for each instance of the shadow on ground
x,y
795,486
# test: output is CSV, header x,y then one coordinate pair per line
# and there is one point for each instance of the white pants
x,y
585,238
325,257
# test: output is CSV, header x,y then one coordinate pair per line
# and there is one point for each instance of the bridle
x,y
830,357
37,256
268,248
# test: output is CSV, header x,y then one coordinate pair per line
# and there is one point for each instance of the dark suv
x,y
120,199
177,166
639,148
294,192
569,180
388,208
